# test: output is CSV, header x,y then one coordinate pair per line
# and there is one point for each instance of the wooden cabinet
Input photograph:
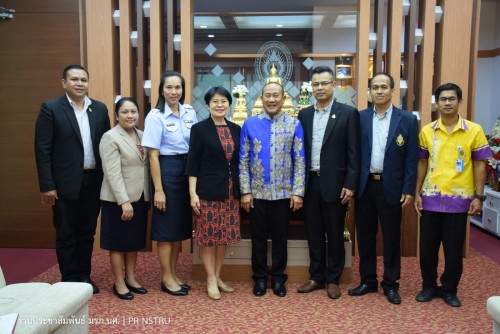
x,y
490,219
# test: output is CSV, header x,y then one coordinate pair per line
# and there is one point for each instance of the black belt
x,y
176,156
89,170
376,176
314,173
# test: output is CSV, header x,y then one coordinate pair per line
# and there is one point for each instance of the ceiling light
x,y
211,36
203,22
269,22
279,35
345,21
279,26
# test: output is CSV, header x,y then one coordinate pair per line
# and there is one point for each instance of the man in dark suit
x,y
67,135
331,132
387,183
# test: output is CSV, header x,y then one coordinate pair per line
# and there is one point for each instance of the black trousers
x,y
450,229
324,222
269,218
75,223
371,208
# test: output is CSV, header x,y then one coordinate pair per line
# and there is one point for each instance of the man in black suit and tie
x,y
67,135
387,183
331,134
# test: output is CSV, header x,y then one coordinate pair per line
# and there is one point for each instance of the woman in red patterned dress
x,y
212,167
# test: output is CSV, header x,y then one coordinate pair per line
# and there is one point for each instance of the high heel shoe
x,y
139,290
124,296
185,286
180,292
225,288
214,295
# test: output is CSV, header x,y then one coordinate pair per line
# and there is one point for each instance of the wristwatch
x,y
482,198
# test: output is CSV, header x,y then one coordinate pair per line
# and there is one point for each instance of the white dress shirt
x,y
83,123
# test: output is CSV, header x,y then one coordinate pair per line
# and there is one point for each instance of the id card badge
x,y
459,166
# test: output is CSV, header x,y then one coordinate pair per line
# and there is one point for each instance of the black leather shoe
x,y
393,296
259,289
95,289
140,290
362,289
180,292
185,286
124,296
451,299
426,295
279,289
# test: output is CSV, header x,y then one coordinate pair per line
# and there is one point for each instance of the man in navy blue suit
x,y
388,170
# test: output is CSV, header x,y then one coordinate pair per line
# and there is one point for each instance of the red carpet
x,y
241,312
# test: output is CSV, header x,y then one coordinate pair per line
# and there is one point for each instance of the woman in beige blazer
x,y
124,193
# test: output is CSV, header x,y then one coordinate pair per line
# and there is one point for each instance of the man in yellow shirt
x,y
450,186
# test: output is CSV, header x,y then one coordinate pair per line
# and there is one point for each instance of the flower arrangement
x,y
239,89
305,93
493,166
306,87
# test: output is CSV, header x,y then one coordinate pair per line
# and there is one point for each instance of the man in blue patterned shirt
x,y
272,178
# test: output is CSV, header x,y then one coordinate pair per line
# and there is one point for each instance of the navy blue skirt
x,y
123,236
174,224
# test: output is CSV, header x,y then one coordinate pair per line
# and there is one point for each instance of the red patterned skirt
x,y
218,222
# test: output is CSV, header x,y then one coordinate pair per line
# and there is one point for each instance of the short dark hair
x,y
160,104
391,79
322,69
121,101
218,90
448,86
73,67
269,83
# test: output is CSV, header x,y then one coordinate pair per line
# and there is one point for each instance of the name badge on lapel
x,y
400,140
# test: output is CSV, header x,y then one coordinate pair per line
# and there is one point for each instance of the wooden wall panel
x,y
41,7
126,61
362,30
187,46
409,55
157,66
471,106
141,73
37,44
102,52
425,61
171,25
379,18
187,62
454,40
394,26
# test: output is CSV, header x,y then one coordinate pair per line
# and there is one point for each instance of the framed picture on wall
x,y
343,72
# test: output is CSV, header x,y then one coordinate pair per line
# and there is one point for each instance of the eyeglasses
x,y
444,99
323,84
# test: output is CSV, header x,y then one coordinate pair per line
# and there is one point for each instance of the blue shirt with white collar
x,y
168,132
380,132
